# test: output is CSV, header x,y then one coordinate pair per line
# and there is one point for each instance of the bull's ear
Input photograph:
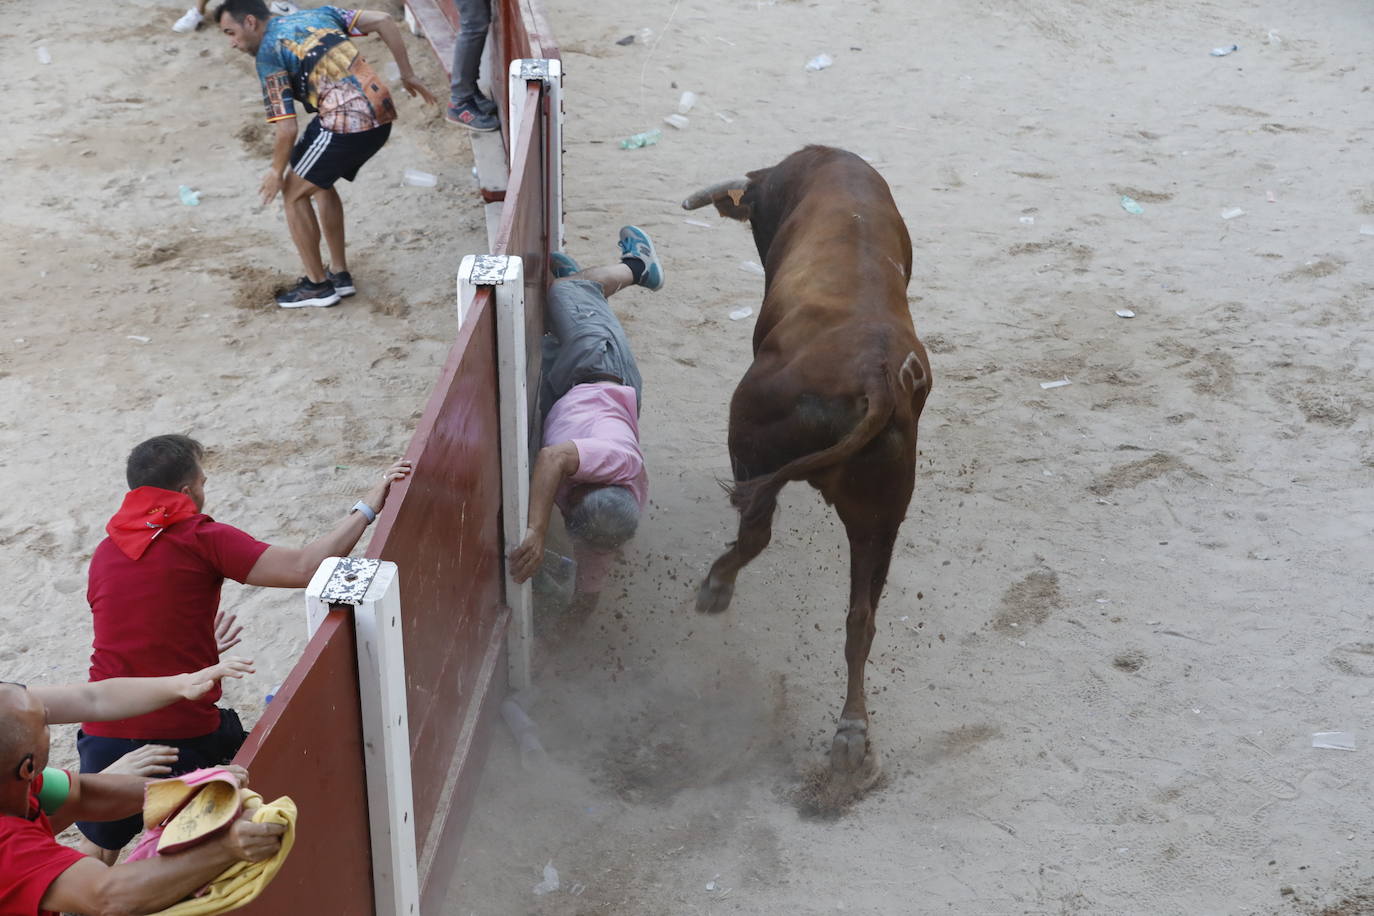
x,y
739,203
732,204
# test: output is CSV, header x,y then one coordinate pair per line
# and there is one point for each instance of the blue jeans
x,y
474,18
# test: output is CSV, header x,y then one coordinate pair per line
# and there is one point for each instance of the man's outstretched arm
x,y
286,567
125,697
555,464
372,21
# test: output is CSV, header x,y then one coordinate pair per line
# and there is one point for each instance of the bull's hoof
x,y
714,599
849,747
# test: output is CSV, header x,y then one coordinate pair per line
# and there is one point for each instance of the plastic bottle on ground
x,y
647,138
418,179
532,753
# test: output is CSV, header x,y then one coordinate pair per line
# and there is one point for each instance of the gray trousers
x,y
474,18
584,343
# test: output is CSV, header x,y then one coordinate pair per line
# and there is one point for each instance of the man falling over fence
x,y
590,465
154,590
307,58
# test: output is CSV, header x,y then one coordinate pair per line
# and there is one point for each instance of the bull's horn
x,y
706,195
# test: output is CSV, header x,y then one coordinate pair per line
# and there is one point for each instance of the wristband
x,y
366,510
57,785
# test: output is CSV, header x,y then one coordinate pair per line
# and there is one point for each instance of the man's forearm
x,y
282,145
550,470
149,885
337,543
108,700
391,35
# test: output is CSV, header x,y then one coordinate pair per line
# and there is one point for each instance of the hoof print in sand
x,y
826,794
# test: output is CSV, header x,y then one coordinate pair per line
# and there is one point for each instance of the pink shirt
x,y
601,420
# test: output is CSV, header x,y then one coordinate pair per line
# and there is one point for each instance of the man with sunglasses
x,y
38,875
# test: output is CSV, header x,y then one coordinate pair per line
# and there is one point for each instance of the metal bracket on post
x,y
372,588
478,270
550,73
505,274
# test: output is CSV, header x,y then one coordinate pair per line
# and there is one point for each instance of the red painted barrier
x,y
308,745
442,529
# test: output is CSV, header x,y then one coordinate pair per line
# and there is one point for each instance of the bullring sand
x,y
1119,607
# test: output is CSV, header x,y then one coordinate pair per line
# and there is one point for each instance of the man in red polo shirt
x,y
154,589
38,875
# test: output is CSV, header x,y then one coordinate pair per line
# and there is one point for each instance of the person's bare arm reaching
x,y
384,27
126,697
554,464
286,567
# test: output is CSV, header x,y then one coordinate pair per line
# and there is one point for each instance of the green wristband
x,y
57,785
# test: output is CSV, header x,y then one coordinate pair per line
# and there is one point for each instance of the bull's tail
x,y
756,497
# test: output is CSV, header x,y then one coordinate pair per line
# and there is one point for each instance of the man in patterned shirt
x,y
307,58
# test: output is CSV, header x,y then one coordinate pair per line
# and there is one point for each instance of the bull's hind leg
x,y
755,531
871,539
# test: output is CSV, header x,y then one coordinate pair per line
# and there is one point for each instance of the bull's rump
x,y
791,404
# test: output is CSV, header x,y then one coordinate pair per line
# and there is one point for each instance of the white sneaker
x,y
283,8
188,22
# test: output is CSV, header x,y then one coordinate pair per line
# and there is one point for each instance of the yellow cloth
x,y
243,881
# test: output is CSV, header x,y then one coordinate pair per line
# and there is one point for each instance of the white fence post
x,y
550,73
506,276
372,588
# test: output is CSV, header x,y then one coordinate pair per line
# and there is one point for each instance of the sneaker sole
x,y
309,303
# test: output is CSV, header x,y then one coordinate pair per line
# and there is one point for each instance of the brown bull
x,y
837,383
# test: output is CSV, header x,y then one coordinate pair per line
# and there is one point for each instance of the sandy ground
x,y
300,409
1119,608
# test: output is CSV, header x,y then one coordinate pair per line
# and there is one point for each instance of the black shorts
x,y
322,157
97,753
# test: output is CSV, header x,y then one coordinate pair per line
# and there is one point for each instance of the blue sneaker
x,y
635,243
562,265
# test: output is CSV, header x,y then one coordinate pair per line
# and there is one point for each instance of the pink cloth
x,y
601,420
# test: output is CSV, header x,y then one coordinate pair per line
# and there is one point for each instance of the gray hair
x,y
605,517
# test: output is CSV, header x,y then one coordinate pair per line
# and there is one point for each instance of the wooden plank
x,y
440,860
436,26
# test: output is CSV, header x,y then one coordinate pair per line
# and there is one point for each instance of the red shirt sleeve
x,y
232,552
31,859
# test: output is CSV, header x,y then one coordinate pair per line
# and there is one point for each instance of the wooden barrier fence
x,y
442,528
